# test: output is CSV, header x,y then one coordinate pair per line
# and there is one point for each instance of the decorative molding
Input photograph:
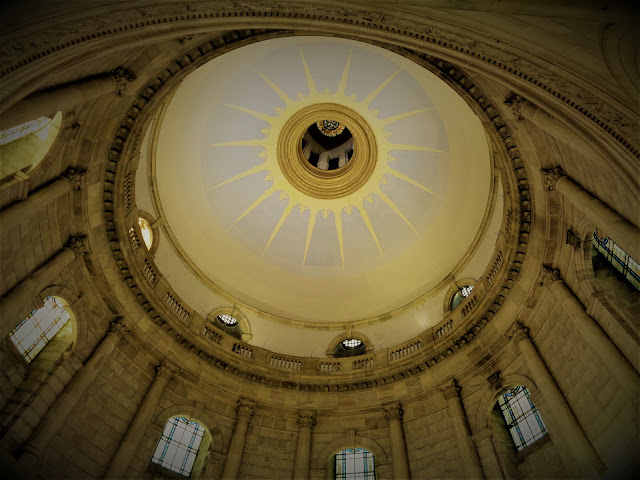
x,y
118,327
520,333
551,176
495,381
549,276
516,102
75,177
452,390
306,420
78,245
245,409
122,77
393,412
165,370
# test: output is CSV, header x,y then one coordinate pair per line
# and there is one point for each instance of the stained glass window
x,y
351,343
178,446
355,464
460,295
618,258
40,326
228,320
523,419
147,232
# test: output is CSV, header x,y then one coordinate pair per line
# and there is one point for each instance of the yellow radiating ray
x,y
247,143
312,222
283,96
395,118
253,113
283,217
267,193
311,84
258,168
367,221
338,217
383,196
401,146
342,86
371,97
410,180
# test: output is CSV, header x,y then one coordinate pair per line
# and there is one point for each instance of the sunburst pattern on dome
x,y
303,202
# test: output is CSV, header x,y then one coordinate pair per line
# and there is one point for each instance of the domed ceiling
x,y
397,220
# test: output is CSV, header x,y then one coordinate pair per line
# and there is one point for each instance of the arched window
x,y
39,327
523,419
350,347
460,295
354,464
617,257
178,447
23,147
147,232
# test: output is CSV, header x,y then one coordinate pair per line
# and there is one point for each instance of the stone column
x,y
303,449
399,460
570,432
525,110
74,391
627,376
234,456
18,212
468,450
64,97
623,232
18,302
131,440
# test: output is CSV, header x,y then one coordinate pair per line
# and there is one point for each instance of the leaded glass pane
x,y
178,446
522,417
355,464
37,328
618,258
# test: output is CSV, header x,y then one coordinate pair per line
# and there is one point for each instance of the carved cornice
x,y
393,412
451,391
75,177
78,244
245,409
549,276
551,176
306,420
124,144
520,333
118,327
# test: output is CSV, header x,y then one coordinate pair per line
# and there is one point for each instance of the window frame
x,y
515,421
189,450
346,475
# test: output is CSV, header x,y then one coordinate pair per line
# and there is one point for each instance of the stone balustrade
x,y
406,350
242,350
284,362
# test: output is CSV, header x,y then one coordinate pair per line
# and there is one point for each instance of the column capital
x,y
78,245
306,420
452,390
549,276
516,102
75,177
122,77
520,332
118,327
551,176
245,409
393,412
165,370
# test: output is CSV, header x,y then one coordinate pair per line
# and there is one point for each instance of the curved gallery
x,y
439,187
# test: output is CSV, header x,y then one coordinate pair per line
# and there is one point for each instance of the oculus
x,y
327,145
330,128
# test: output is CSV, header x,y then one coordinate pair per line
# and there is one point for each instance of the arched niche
x,y
346,336
243,324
